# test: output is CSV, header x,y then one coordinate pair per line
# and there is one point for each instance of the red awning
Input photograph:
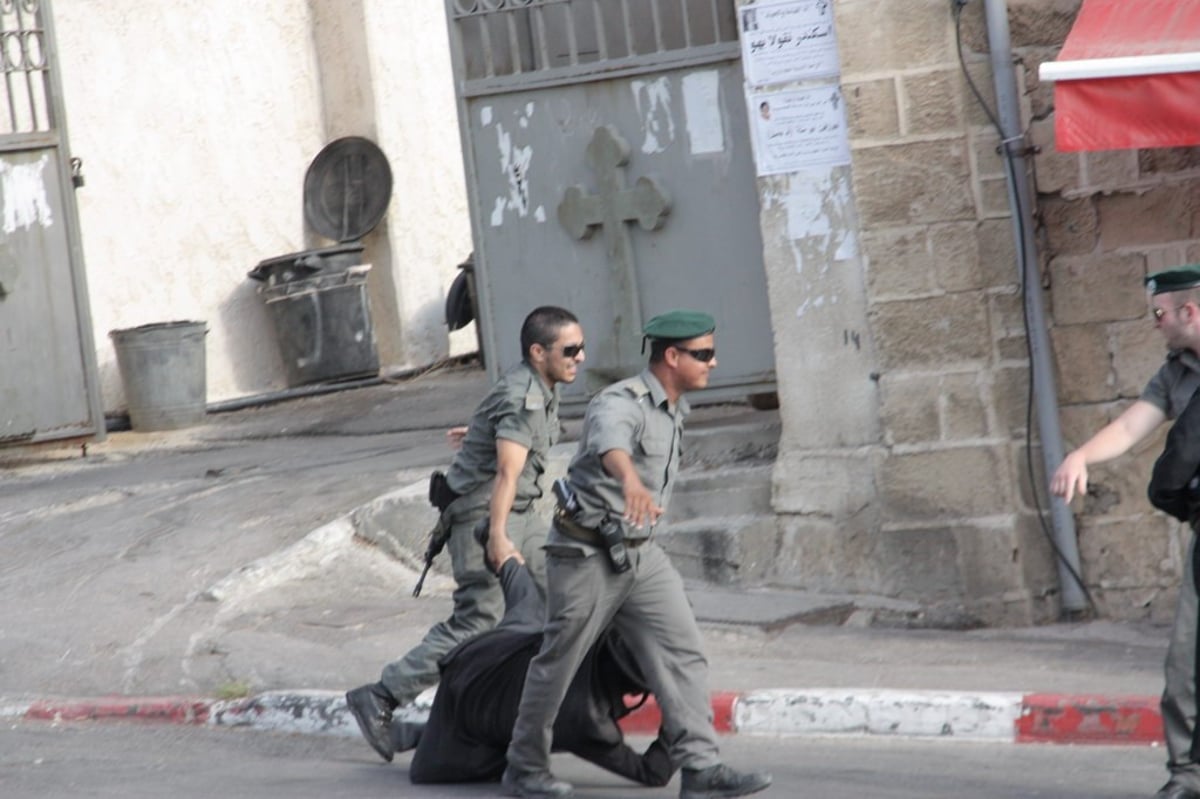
x,y
1128,76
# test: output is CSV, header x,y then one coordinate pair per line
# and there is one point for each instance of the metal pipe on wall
x,y
1044,389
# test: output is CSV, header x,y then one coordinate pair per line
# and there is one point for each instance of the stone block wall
x,y
1107,219
951,524
931,487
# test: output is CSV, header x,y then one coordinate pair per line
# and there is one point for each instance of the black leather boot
x,y
372,706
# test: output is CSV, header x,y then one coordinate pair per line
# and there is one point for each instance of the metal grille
x,y
23,53
521,42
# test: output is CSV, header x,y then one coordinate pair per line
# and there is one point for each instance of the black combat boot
x,y
1173,790
719,781
534,785
372,706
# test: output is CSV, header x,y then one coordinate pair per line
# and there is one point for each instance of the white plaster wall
x,y
428,221
196,121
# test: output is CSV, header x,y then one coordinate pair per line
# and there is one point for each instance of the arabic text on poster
x,y
798,129
787,41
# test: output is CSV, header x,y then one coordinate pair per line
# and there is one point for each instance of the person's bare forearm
x,y
1114,439
510,461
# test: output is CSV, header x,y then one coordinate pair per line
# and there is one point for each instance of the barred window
x,y
548,38
24,96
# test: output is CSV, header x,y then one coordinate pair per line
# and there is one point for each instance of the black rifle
x,y
440,497
438,537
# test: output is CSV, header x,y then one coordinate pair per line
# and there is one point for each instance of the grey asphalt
x,y
225,559
129,761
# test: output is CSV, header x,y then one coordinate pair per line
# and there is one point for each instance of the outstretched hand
x,y
1070,478
640,509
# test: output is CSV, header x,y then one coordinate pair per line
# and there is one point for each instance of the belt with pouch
x,y
573,529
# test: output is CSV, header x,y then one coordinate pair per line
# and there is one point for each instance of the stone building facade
x,y
900,344
913,477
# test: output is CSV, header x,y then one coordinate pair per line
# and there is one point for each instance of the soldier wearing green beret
x,y
1175,306
603,566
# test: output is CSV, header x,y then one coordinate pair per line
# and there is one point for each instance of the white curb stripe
x,y
304,712
967,716
14,710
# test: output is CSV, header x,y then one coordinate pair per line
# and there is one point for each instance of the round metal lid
x,y
347,189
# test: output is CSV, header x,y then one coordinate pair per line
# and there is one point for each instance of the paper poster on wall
x,y
798,129
787,41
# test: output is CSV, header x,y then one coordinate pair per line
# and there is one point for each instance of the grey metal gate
x,y
48,382
609,170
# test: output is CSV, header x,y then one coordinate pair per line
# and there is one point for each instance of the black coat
x,y
471,722
1174,487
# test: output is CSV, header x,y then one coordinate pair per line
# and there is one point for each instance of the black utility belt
x,y
573,529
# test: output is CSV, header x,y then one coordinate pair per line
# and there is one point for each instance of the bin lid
x,y
306,262
347,189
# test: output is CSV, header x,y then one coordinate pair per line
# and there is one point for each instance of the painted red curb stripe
x,y
1086,718
175,709
647,719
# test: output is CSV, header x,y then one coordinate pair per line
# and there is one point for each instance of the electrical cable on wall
x,y
1010,169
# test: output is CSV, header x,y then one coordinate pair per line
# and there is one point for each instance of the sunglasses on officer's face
x,y
704,356
1159,313
572,350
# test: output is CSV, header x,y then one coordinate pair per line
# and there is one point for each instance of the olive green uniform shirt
x,y
1174,383
634,416
519,408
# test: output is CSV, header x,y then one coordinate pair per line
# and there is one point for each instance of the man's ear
x,y
537,353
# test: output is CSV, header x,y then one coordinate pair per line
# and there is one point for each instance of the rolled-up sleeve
x,y
1158,390
514,425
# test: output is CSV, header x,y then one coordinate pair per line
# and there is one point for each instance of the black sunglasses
x,y
1159,313
704,356
572,350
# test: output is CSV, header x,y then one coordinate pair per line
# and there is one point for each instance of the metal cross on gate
x,y
647,203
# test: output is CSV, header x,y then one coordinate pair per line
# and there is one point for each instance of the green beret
x,y
679,325
1185,277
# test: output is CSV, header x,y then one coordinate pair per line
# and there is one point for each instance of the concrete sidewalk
x,y
270,554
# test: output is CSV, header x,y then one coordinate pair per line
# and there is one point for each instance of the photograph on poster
x,y
787,41
798,129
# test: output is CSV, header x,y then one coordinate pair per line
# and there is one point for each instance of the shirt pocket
x,y
658,447
541,437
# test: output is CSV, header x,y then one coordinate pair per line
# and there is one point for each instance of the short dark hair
x,y
542,326
659,347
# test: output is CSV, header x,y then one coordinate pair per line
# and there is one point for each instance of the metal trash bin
x,y
317,299
163,369
323,324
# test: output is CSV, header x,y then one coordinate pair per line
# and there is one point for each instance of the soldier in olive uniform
x,y
604,567
1175,305
496,476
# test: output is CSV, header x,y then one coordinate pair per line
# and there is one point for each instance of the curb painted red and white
x,y
1001,717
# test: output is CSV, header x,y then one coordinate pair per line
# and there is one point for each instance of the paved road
x,y
134,761
108,559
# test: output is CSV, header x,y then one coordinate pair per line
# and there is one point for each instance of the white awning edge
x,y
1123,67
